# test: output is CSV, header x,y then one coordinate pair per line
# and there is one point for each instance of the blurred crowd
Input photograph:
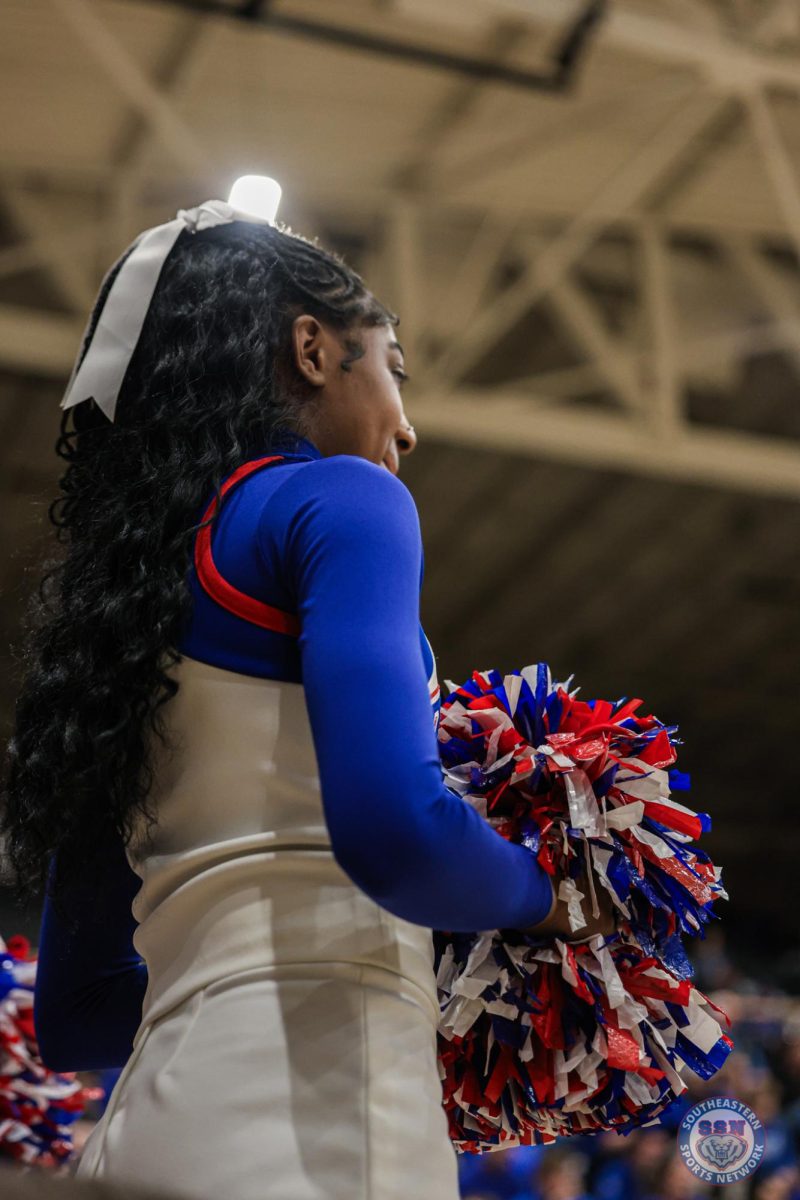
x,y
763,1072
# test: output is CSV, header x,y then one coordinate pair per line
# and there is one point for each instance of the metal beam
x,y
724,124
694,358
474,270
337,198
500,152
454,109
171,75
175,133
62,253
48,243
555,79
62,261
621,191
780,171
661,364
38,343
780,21
773,290
614,364
719,59
500,419
403,251
138,140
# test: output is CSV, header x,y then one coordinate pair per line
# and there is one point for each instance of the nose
x,y
405,438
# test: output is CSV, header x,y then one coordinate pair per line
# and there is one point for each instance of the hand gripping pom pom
x,y
541,1038
37,1106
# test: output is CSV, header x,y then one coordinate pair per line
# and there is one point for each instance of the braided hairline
x,y
323,276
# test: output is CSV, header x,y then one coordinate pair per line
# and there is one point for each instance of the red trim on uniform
x,y
225,594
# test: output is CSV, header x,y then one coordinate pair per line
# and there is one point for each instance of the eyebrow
x,y
396,346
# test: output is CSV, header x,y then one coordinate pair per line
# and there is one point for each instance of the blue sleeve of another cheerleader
x,y
90,983
345,535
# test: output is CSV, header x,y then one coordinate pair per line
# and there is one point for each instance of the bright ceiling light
x,y
256,195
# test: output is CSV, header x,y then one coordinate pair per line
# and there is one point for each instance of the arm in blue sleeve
x,y
353,552
90,982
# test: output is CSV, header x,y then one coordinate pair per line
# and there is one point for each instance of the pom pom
x,y
542,1038
37,1106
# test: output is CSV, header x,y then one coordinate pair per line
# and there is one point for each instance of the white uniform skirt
x,y
287,1049
337,1095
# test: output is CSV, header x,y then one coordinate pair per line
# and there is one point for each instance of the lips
x,y
391,460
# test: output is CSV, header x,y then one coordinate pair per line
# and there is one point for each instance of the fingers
x,y
557,923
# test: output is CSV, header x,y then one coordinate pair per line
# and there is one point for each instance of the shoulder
x,y
344,486
349,471
338,505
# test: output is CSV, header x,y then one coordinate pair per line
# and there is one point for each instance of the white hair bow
x,y
102,371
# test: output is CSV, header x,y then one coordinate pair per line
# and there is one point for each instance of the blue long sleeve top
x,y
335,540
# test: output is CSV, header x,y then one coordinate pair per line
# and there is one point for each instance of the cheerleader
x,y
242,856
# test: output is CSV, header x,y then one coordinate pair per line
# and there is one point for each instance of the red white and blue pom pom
x,y
541,1039
37,1106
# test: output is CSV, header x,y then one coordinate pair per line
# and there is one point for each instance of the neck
x,y
294,443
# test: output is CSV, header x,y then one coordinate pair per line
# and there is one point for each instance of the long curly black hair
x,y
211,384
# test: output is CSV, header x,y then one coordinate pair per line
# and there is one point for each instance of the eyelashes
x,y
400,374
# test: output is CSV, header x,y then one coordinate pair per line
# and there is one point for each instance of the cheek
x,y
390,405
379,407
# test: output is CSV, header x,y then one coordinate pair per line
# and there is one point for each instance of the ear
x,y
309,350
